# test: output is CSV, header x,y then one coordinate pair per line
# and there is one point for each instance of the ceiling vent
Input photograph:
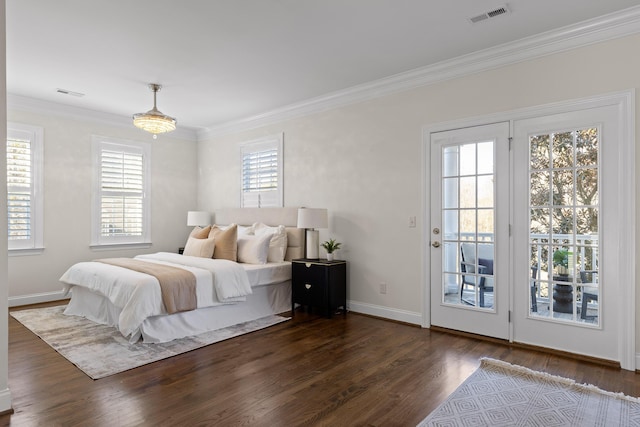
x,y
69,92
503,10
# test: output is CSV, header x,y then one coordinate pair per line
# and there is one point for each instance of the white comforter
x,y
138,294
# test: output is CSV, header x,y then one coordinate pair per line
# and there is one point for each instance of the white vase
x,y
330,257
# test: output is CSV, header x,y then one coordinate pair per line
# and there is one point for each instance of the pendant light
x,y
154,121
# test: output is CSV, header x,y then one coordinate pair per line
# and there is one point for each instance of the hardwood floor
x,y
346,371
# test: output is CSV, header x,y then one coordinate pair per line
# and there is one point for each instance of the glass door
x,y
469,230
566,232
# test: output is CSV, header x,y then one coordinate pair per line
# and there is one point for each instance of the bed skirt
x,y
264,301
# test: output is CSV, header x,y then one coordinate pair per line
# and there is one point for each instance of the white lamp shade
x,y
198,218
313,218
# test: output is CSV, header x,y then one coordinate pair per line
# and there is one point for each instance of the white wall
x,y
67,200
364,161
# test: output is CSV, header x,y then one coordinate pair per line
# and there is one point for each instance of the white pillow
x,y
244,229
199,247
278,243
253,249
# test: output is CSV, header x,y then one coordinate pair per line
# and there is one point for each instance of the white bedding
x,y
135,296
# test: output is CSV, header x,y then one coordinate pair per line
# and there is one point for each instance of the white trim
x,y
21,300
32,105
607,27
385,312
625,100
5,400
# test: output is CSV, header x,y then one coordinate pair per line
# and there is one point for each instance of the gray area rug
x,y
502,394
100,351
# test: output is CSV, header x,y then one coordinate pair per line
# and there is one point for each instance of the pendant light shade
x,y
154,121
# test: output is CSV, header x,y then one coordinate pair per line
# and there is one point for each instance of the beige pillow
x,y
200,233
199,247
226,242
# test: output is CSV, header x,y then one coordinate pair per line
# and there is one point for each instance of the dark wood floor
x,y
346,371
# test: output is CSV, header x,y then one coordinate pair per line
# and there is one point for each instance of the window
x,y
24,188
121,208
262,172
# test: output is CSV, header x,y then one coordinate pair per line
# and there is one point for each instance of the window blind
x,y
122,193
19,189
262,173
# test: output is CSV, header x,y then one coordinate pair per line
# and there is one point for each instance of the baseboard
x,y
37,298
5,401
385,312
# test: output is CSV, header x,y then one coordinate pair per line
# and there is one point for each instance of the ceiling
x,y
226,60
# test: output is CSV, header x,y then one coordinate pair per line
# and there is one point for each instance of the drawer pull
x,y
307,264
307,285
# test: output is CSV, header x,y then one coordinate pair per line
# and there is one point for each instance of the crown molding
x,y
33,105
606,27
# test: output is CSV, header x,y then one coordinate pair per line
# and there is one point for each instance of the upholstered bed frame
x,y
269,216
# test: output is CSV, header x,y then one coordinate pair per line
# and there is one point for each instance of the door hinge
x,y
509,316
510,141
509,230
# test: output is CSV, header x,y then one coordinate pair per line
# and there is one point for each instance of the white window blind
x,y
24,183
121,211
262,172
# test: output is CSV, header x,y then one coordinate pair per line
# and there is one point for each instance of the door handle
x,y
436,244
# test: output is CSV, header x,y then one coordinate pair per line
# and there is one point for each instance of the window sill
x,y
117,246
25,252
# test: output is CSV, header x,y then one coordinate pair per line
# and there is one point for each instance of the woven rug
x,y
100,351
502,394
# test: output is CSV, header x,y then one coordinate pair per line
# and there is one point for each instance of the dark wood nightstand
x,y
319,283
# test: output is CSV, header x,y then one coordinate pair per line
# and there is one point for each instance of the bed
x,y
228,293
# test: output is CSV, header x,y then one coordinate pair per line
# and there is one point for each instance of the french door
x,y
566,232
532,240
469,229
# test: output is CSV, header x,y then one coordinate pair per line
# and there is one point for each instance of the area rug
x,y
100,351
502,394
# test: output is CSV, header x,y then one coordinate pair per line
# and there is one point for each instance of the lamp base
x,y
313,243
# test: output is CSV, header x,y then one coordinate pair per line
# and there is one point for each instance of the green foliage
x,y
561,258
331,245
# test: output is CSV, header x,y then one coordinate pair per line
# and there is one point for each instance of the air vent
x,y
69,92
491,14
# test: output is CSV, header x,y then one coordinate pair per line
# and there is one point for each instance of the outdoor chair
x,y
484,265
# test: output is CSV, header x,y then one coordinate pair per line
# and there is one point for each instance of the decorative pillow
x,y
253,249
278,243
226,242
200,233
199,247
244,229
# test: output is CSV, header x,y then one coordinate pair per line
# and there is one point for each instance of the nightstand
x,y
319,283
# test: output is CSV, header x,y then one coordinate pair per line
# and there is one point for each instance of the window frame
x,y
270,142
35,134
99,143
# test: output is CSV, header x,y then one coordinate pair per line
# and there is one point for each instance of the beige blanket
x,y
178,286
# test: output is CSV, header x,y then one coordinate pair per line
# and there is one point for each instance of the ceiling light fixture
x,y
154,121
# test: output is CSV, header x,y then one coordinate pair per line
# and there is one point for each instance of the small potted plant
x,y
561,261
331,246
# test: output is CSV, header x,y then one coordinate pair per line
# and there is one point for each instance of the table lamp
x,y
310,219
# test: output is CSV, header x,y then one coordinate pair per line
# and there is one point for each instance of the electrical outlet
x,y
383,288
412,222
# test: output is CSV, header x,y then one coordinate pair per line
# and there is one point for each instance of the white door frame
x,y
625,102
